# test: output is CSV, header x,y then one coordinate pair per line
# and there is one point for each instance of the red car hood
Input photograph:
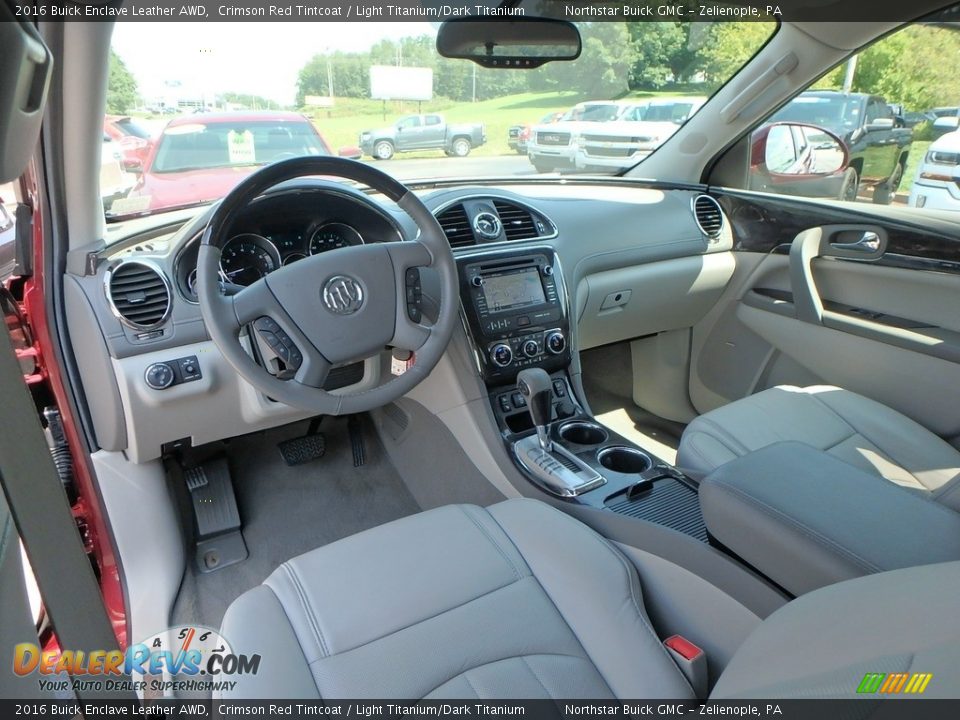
x,y
168,190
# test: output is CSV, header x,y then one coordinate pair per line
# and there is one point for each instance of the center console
x,y
516,310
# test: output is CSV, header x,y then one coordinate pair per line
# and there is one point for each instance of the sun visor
x,y
25,65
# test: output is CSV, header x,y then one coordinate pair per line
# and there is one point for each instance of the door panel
x,y
887,332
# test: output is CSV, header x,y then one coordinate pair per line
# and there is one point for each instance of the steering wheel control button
x,y
160,376
342,295
414,294
278,340
556,342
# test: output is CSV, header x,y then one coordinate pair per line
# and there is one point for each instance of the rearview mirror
x,y
516,43
798,159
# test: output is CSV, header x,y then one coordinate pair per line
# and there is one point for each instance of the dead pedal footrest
x,y
216,518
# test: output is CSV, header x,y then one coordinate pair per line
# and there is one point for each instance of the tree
x,y
655,44
729,45
915,67
121,87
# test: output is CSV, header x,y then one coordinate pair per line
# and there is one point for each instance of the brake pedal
x,y
311,446
216,517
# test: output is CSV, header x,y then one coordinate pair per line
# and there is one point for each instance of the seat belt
x,y
45,523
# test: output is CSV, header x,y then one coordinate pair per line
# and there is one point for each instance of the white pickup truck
x,y
639,130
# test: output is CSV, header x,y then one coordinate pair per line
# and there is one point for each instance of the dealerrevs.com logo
x,y
183,658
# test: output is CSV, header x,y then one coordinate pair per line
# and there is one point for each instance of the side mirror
x,y
797,159
350,152
514,43
881,124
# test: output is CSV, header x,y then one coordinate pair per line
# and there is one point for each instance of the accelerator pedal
x,y
216,518
311,446
355,428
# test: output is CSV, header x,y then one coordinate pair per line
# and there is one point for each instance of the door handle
x,y
869,242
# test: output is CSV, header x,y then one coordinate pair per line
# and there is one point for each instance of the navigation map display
x,y
513,289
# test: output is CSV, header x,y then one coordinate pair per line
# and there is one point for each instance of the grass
x,y
341,124
918,151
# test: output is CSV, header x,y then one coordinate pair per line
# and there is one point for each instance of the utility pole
x,y
474,82
848,76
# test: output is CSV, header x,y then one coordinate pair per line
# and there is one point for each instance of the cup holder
x,y
625,460
583,433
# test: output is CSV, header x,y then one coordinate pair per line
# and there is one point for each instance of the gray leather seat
x,y
522,601
853,428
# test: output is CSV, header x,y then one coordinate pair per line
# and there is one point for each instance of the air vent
x,y
456,226
709,216
518,223
139,294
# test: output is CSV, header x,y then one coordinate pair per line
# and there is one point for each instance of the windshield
x,y
194,107
840,113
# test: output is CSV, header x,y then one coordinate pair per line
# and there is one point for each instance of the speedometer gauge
x,y
332,236
247,258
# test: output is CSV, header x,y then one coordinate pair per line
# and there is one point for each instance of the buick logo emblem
x,y
342,295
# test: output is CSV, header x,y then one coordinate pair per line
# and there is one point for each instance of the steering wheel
x,y
340,306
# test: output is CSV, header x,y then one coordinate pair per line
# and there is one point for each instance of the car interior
x,y
522,435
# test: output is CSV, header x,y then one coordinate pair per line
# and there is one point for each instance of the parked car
x,y
937,184
518,136
877,141
552,145
947,120
200,158
7,234
115,181
132,139
637,131
913,118
422,132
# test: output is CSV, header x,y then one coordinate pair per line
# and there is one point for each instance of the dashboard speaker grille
x,y
139,294
709,216
517,222
456,226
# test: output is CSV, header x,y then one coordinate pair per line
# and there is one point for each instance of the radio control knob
x,y
476,281
556,342
501,355
531,349
547,270
159,376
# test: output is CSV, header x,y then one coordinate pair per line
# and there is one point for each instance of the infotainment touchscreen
x,y
511,290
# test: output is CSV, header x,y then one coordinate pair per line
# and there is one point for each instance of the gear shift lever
x,y
535,385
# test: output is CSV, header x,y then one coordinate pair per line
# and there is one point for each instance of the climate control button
x,y
501,355
531,349
556,342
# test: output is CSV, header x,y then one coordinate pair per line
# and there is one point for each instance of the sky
x,y
243,57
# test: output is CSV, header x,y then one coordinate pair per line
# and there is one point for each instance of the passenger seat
x,y
853,428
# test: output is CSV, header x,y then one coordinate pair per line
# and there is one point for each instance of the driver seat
x,y
520,600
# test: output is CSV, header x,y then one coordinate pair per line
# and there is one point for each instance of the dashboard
x,y
283,228
631,243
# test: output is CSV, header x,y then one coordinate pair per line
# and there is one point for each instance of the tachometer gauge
x,y
247,258
332,236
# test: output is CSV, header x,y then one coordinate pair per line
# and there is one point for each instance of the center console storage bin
x,y
806,519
